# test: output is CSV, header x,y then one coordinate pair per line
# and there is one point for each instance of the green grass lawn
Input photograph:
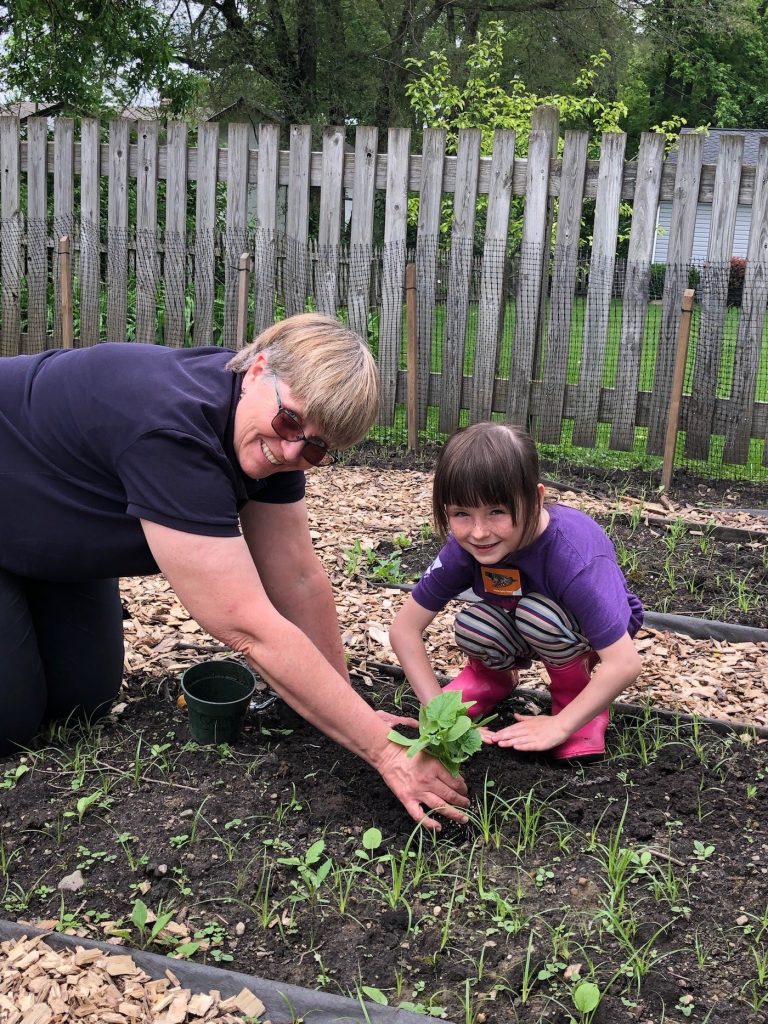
x,y
602,455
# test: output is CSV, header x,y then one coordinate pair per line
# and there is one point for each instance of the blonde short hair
x,y
328,368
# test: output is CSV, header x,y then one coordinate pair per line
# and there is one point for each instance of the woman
x,y
127,459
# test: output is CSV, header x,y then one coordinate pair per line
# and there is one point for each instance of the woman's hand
x,y
393,720
422,784
531,732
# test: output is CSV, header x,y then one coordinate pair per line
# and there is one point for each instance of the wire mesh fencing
x,y
579,349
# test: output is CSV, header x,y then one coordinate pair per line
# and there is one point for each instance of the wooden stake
x,y
65,282
241,327
411,401
673,415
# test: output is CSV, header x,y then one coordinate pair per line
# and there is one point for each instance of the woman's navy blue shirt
x,y
94,439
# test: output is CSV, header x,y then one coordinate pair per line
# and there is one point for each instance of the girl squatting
x,y
549,589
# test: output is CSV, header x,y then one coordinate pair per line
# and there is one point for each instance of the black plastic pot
x,y
217,694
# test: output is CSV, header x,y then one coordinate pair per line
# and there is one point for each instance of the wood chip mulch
x,y
705,677
41,985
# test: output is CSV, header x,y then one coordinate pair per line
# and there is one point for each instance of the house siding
x,y
701,232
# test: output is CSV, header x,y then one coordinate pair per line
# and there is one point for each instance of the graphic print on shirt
x,y
502,582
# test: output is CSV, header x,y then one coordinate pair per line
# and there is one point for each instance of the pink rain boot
x,y
565,683
485,686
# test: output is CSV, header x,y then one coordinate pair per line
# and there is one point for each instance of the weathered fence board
x,y
361,228
37,235
533,253
146,233
63,210
265,258
297,222
681,230
635,296
602,262
117,226
490,312
563,281
713,298
90,231
751,325
545,119
393,271
10,235
427,239
459,275
236,234
329,228
205,232
175,260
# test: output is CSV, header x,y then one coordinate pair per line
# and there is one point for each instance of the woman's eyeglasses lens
x,y
286,424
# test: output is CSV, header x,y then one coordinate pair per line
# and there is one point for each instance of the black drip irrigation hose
x,y
283,1004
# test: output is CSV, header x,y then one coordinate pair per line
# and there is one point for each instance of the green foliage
x,y
88,56
698,62
586,997
485,101
445,731
480,97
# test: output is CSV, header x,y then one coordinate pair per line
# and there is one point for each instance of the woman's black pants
x,y
61,653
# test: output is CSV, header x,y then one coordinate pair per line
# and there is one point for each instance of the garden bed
x,y
647,870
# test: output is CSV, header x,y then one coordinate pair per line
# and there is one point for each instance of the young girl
x,y
550,589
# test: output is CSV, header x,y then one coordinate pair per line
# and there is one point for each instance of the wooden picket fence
x,y
222,201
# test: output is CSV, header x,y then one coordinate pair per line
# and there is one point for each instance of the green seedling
x,y
312,873
445,731
702,851
85,802
148,929
586,999
12,776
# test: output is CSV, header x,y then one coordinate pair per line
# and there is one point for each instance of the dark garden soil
x,y
648,869
671,569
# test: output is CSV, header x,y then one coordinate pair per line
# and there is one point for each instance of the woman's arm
x,y
406,634
292,575
619,665
217,582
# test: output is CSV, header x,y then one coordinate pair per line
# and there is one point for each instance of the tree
x,y
483,99
86,54
702,60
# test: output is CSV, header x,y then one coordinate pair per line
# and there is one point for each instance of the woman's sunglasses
x,y
287,425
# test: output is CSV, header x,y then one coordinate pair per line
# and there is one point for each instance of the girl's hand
x,y
488,736
531,732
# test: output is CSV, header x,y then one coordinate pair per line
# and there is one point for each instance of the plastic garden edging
x,y
283,1004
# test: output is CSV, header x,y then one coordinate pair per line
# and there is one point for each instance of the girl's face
x,y
487,531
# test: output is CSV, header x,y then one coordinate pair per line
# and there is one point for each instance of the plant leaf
x,y
586,996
